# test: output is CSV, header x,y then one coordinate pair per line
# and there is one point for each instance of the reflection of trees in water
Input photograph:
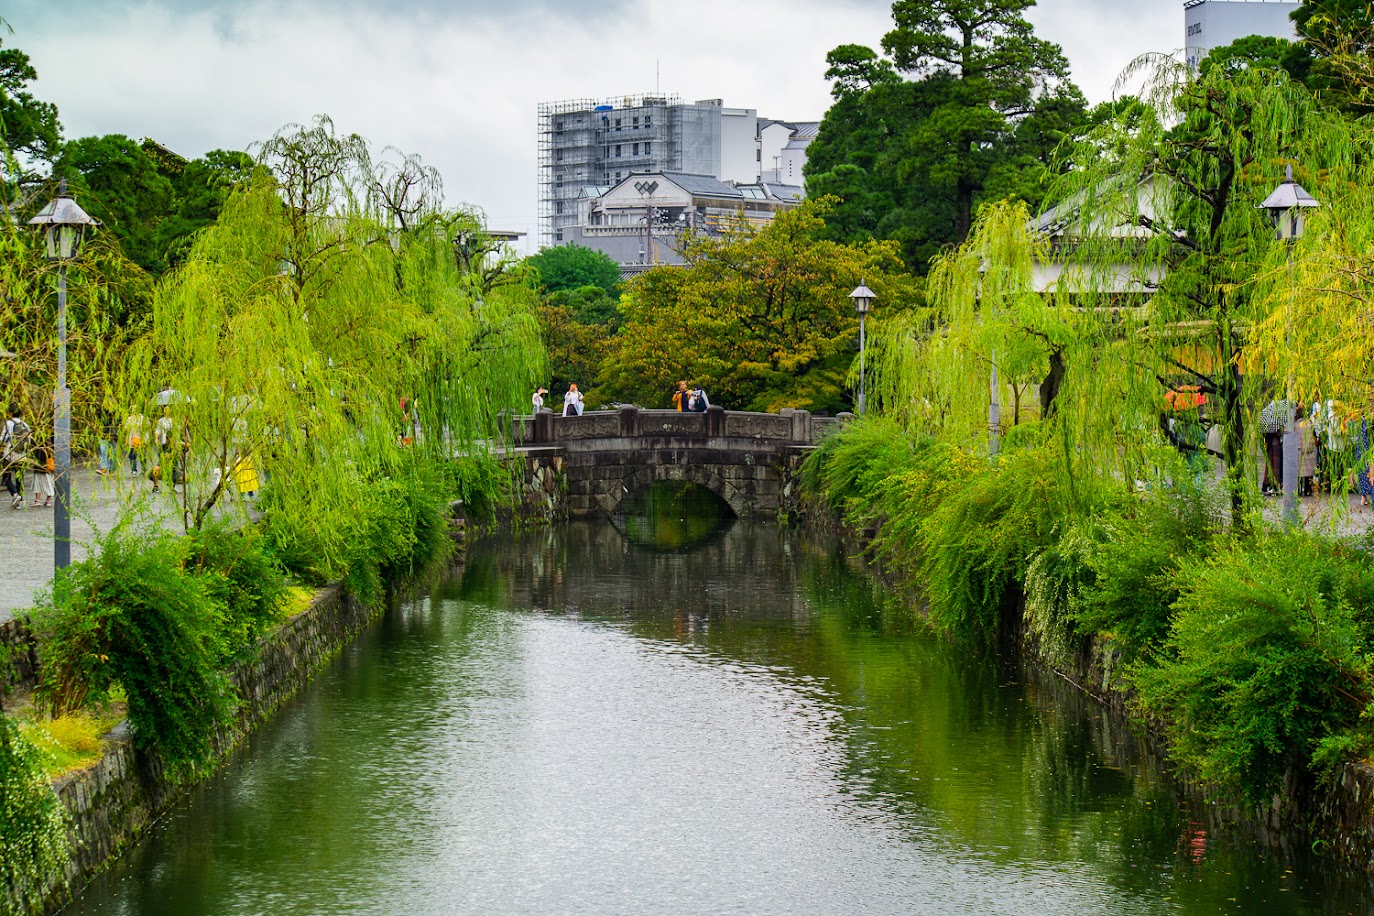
x,y
742,570
1013,763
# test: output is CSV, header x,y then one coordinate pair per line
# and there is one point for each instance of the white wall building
x,y
1209,24
599,143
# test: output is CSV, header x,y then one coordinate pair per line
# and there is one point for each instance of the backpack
x,y
20,432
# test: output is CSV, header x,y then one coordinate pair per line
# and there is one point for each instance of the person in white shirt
x,y
572,402
538,399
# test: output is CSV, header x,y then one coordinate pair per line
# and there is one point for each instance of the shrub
x,y
853,467
980,537
243,581
33,835
133,614
1133,558
1056,581
1264,669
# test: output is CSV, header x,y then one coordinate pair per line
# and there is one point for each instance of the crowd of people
x,y
1334,452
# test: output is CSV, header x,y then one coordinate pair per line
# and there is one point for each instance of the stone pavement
x,y
26,538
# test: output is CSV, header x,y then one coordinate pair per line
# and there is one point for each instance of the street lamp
x,y
64,227
1289,199
863,301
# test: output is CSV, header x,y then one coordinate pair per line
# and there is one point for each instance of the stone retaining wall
x,y
113,801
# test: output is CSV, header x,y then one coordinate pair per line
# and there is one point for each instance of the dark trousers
x,y
1273,461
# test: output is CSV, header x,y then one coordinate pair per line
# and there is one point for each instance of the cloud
x,y
458,81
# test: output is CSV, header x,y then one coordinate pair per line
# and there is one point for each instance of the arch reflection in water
x,y
672,514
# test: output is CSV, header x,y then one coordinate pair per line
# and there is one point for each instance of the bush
x,y
33,834
1133,557
1264,668
854,467
134,615
242,580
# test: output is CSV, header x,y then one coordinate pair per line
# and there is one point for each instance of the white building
x,y
600,143
640,221
1209,24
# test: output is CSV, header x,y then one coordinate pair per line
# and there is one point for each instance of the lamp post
x,y
1289,199
64,226
863,301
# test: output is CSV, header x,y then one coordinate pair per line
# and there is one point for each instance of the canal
x,y
583,720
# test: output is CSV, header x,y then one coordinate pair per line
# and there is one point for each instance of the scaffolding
x,y
598,142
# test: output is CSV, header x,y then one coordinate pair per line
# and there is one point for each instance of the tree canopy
x,y
986,104
760,317
570,267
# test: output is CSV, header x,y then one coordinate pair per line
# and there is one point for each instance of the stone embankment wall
x,y
1335,820
113,801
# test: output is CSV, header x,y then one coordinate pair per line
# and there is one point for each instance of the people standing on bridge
x,y
697,401
572,402
680,397
538,399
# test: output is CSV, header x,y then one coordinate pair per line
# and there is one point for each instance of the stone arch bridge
x,y
585,467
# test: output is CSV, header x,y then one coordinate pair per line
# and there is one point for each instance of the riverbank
x,y
1240,653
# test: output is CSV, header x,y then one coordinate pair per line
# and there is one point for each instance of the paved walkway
x,y
26,538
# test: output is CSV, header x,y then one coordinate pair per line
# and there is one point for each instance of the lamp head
x,y
64,225
863,299
1292,199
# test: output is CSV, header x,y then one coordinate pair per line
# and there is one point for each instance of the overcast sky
x,y
458,81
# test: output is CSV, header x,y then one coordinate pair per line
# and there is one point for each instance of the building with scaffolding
x,y
590,143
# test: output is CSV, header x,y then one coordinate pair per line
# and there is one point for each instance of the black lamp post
x,y
863,301
64,227
1289,199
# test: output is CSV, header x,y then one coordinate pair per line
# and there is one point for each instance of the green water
x,y
580,724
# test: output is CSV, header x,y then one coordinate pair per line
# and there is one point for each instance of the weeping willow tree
x,y
1156,277
325,334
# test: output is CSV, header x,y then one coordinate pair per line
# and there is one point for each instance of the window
x,y
636,122
636,149
558,236
647,150
648,120
617,124
558,126
558,155
617,176
558,208
617,150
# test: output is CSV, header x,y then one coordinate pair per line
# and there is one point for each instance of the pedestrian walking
x,y
1363,479
43,468
135,433
572,402
14,443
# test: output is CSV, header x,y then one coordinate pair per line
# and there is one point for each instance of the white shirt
x,y
572,403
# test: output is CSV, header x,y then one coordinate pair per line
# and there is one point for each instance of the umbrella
x,y
168,395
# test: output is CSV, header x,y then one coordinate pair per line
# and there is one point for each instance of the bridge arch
x,y
645,476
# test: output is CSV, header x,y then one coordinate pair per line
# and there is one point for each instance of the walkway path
x,y
26,539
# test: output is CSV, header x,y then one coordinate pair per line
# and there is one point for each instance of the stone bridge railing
x,y
786,427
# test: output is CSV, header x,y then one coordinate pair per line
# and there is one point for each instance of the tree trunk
x,y
1054,380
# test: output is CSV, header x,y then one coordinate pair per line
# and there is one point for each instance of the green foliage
x,y
135,615
571,267
242,581
978,541
980,120
28,126
1056,581
1133,559
852,469
1265,670
759,317
33,822
119,184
